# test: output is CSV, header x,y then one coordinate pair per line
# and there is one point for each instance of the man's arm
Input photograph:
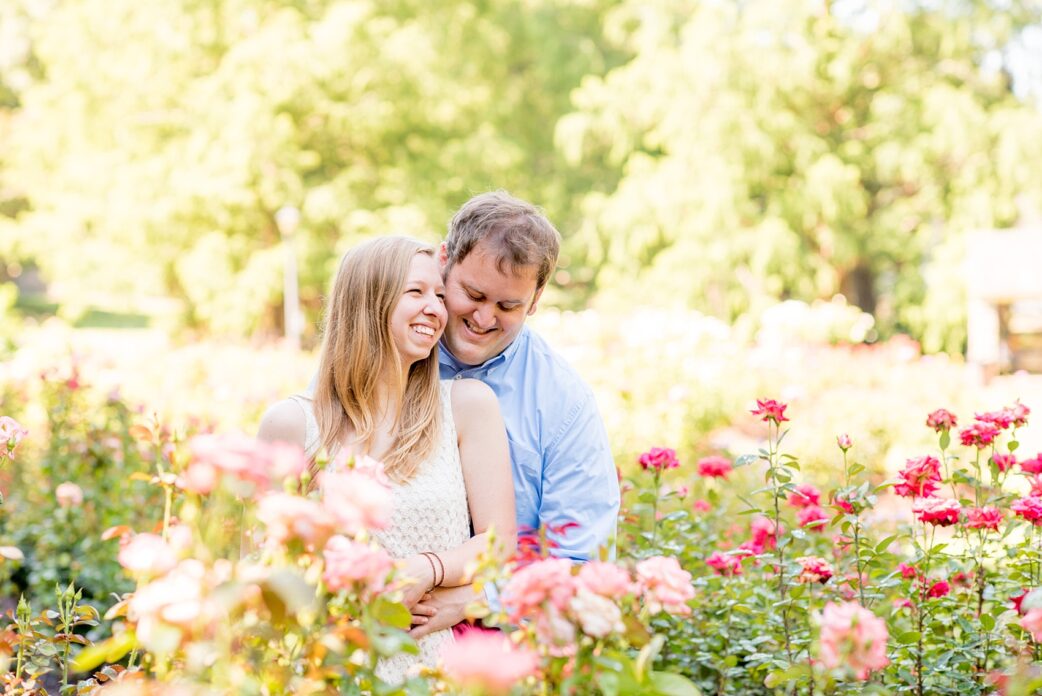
x,y
580,484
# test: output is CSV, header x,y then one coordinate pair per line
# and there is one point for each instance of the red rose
x,y
770,410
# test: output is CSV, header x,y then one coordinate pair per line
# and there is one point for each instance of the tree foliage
x,y
797,149
715,154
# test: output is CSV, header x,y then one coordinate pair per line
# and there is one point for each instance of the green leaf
x,y
882,546
670,684
110,650
908,637
391,613
987,622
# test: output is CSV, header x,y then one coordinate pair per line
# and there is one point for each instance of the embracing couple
x,y
428,367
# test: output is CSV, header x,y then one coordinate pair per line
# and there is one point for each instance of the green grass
x,y
40,308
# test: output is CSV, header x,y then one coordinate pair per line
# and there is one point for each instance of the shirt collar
x,y
449,360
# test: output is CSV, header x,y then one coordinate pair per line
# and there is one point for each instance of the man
x,y
497,258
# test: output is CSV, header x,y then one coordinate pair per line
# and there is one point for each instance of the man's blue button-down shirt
x,y
563,468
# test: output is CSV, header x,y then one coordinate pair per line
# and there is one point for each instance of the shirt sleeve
x,y
580,486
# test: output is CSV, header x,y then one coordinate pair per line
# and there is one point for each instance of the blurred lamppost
x,y
287,218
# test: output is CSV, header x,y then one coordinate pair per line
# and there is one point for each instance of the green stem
x,y
654,511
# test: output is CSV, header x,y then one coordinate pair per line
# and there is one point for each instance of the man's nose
x,y
484,317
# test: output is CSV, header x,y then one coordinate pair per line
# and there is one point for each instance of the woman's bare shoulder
x,y
283,422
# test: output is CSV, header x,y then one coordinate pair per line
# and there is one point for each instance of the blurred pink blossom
x,y
68,495
548,580
606,579
357,499
854,637
714,466
11,434
487,662
667,586
147,555
804,495
288,517
1032,623
597,614
352,564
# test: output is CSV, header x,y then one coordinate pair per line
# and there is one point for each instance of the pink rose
x,y
941,420
546,581
1029,508
724,563
659,459
812,517
1000,419
853,637
1004,462
487,662
1020,414
701,505
764,533
1032,623
11,433
598,615
357,500
606,579
147,555
176,599
815,569
667,586
844,442
770,410
68,495
979,435
287,517
250,466
907,571
714,467
352,564
804,495
987,517
1033,465
919,478
938,589
941,512
842,503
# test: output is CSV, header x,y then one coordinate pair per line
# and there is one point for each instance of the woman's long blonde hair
x,y
358,353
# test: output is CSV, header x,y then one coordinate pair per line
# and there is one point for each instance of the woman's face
x,y
419,317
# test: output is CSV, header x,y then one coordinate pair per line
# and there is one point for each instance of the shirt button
x,y
458,377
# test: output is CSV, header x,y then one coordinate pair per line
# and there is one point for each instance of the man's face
x,y
487,307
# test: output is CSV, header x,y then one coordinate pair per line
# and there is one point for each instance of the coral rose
x,y
815,569
979,435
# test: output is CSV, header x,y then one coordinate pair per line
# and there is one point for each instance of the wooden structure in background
x,y
1004,291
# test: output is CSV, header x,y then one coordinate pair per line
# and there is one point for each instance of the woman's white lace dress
x,y
430,514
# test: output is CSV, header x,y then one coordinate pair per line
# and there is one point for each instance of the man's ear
x,y
535,301
443,257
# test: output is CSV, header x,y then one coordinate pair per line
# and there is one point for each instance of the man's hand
x,y
449,605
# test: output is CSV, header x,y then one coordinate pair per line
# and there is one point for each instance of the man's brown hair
x,y
516,232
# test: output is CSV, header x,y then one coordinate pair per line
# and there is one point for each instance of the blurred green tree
x,y
795,149
161,138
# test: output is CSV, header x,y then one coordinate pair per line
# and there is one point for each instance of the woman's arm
x,y
283,422
485,457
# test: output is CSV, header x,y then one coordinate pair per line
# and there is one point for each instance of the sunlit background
x,y
767,197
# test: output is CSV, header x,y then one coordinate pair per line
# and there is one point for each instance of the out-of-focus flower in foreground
x,y
854,637
486,662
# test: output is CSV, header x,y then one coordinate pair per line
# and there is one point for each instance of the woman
x,y
443,444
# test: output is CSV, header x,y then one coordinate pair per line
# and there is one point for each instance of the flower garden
x,y
143,557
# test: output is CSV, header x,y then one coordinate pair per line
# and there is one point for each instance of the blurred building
x,y
1004,292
